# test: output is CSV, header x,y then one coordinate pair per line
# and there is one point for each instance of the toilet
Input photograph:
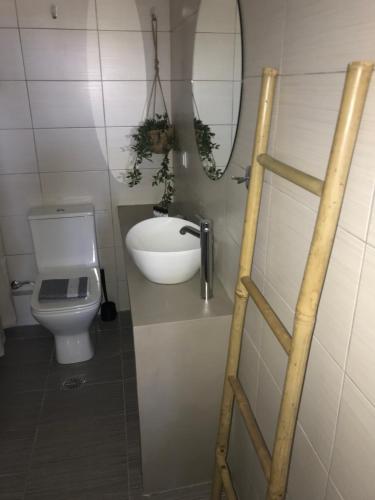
x,y
65,248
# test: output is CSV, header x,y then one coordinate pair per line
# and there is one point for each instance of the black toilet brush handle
x,y
104,287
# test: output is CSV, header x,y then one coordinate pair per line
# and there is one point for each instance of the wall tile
x,y
337,305
17,152
76,187
16,234
362,347
307,478
14,106
129,55
66,104
21,267
217,16
371,231
144,192
306,119
248,370
125,102
18,193
71,149
8,14
325,36
61,54
263,24
123,296
79,14
132,15
104,230
120,263
353,456
235,202
213,56
11,65
332,492
207,97
323,383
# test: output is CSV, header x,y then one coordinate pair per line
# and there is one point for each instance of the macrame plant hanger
x,y
156,84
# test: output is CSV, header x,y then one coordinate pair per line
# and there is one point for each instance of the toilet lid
x,y
93,290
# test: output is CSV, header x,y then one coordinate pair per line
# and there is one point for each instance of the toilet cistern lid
x,y
60,211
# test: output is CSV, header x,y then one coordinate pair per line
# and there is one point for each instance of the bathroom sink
x,y
161,253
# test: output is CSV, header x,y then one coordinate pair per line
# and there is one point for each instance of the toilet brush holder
x,y
108,309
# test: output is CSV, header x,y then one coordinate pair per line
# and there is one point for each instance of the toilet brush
x,y
108,309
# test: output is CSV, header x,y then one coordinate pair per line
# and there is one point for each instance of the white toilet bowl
x,y
69,320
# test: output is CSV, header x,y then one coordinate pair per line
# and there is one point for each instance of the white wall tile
x,y
8,14
362,347
16,235
66,104
325,36
120,263
129,55
61,54
79,14
14,105
125,102
104,230
213,56
11,65
217,16
337,305
353,457
17,152
307,478
144,192
248,370
71,149
21,267
132,14
18,193
214,102
76,187
323,383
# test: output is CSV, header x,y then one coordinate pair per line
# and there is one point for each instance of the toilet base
x,y
74,348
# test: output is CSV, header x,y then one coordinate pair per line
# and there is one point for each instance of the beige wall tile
x,y
248,371
217,16
11,64
332,492
362,347
354,451
8,14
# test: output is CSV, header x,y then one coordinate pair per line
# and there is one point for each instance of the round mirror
x,y
217,82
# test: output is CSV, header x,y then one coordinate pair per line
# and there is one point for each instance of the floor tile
x,y
12,486
129,365
23,351
15,450
23,378
127,340
20,411
97,400
107,344
29,332
96,370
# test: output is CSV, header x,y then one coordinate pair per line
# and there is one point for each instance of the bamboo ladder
x,y
297,345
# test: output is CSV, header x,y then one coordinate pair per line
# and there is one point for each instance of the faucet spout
x,y
205,234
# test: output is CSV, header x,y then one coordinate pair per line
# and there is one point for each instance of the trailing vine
x,y
204,138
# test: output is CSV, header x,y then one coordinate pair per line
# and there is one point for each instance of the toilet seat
x,y
68,305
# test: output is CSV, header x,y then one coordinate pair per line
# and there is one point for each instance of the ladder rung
x,y
306,181
279,330
252,426
225,477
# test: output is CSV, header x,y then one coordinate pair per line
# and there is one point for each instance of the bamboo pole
x,y
352,104
246,257
292,174
273,321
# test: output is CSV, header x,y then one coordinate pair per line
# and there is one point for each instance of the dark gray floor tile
x,y
135,476
107,344
28,332
79,457
15,450
20,411
97,400
104,326
131,397
127,339
96,370
24,351
12,486
126,319
23,378
129,365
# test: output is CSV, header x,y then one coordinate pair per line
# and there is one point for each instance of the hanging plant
x,y
204,138
154,136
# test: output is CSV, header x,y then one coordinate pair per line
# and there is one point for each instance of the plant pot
x,y
161,140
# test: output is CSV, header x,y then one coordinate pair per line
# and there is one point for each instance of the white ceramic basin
x,y
161,253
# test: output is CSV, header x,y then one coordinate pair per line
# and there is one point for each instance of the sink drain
x,y
73,382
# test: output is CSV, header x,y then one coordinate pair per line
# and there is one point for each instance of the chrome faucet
x,y
205,234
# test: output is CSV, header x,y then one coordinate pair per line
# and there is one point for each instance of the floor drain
x,y
73,382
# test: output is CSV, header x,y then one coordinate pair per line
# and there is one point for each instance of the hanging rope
x,y
156,81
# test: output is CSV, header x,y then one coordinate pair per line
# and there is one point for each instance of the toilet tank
x,y
64,236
